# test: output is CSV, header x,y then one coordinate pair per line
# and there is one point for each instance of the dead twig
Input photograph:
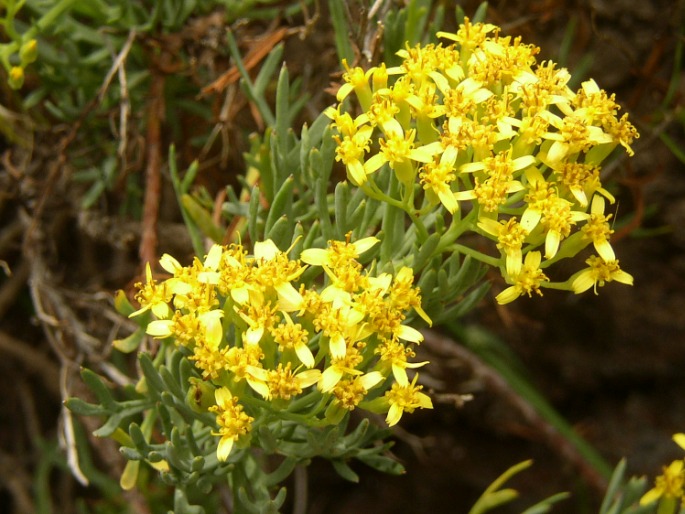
x,y
153,173
260,48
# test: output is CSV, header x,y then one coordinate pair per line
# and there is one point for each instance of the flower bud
x,y
16,78
28,52
335,412
200,396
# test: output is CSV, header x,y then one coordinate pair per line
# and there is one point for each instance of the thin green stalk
x,y
486,259
373,191
457,228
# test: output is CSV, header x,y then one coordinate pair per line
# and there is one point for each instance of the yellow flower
x,y
528,281
510,236
405,398
283,382
558,218
290,335
398,151
260,318
469,35
598,273
357,80
581,180
16,77
669,484
598,230
436,177
228,270
497,179
243,363
340,366
275,270
393,355
338,253
233,422
350,151
350,391
539,192
153,296
187,327
575,134
403,295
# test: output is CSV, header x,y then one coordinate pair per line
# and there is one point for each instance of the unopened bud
x,y
16,78
200,395
28,52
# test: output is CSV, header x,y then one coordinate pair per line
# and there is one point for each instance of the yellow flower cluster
x,y
261,340
478,120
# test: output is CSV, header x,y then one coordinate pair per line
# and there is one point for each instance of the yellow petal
x,y
224,448
365,244
223,397
507,296
260,387
159,328
305,355
409,334
371,379
240,295
400,374
213,258
308,378
337,346
329,378
289,298
161,310
680,440
394,415
170,264
315,256
265,250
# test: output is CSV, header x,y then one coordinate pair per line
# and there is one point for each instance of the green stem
x,y
49,17
562,286
457,228
373,191
466,250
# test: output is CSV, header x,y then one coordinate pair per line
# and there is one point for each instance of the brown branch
x,y
153,175
261,47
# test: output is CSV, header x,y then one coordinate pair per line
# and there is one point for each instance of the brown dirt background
x,y
612,364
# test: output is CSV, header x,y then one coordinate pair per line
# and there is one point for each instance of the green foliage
x,y
494,495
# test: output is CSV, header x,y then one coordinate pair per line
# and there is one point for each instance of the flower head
x,y
405,398
599,273
233,422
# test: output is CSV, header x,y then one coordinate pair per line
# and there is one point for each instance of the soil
x,y
611,364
